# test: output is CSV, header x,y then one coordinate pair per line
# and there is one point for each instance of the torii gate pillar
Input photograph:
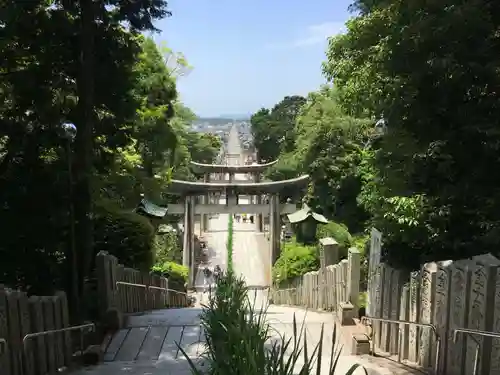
x,y
275,227
188,240
258,198
204,222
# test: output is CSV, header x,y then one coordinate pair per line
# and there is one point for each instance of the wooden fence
x,y
333,287
131,291
21,315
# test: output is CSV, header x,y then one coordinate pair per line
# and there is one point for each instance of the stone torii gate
x,y
231,189
222,173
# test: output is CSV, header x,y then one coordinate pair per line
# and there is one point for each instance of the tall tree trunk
x,y
84,147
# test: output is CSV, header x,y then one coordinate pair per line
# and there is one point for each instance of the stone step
x,y
155,343
387,366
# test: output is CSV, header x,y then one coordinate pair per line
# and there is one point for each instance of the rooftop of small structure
x,y
148,208
237,187
224,168
304,213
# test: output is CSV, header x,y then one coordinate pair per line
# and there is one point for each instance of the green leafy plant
x,y
176,274
238,339
128,236
295,260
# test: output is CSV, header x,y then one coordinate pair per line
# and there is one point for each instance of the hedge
x,y
128,236
176,274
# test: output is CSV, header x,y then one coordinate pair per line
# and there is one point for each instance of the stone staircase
x,y
155,343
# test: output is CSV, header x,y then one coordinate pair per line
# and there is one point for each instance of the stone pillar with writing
x,y
397,279
442,307
39,343
404,315
414,314
48,319
322,275
377,298
337,286
374,262
106,284
460,277
353,275
386,308
495,347
481,311
330,249
427,304
25,328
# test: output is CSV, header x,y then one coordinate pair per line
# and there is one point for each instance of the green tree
x,y
45,81
273,130
435,82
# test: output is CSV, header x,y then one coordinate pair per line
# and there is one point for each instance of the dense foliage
x,y
424,175
132,135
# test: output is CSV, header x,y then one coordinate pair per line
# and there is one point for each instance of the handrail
x,y
258,287
82,327
150,287
131,284
89,327
433,328
471,332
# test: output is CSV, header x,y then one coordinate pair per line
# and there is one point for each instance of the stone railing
x,y
441,297
334,287
26,324
126,290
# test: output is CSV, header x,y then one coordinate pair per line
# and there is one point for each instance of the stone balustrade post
x,y
353,276
106,281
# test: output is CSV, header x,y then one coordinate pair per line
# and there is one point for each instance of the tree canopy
x,y
426,182
139,135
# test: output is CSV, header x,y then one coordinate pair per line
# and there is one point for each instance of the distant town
x,y
221,126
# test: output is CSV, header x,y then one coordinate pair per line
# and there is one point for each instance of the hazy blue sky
x,y
250,53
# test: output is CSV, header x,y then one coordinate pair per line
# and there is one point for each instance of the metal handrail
x,y
471,332
88,327
150,287
433,328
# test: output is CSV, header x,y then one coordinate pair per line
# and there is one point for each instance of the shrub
x,y
124,234
176,274
167,248
295,260
237,339
339,233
